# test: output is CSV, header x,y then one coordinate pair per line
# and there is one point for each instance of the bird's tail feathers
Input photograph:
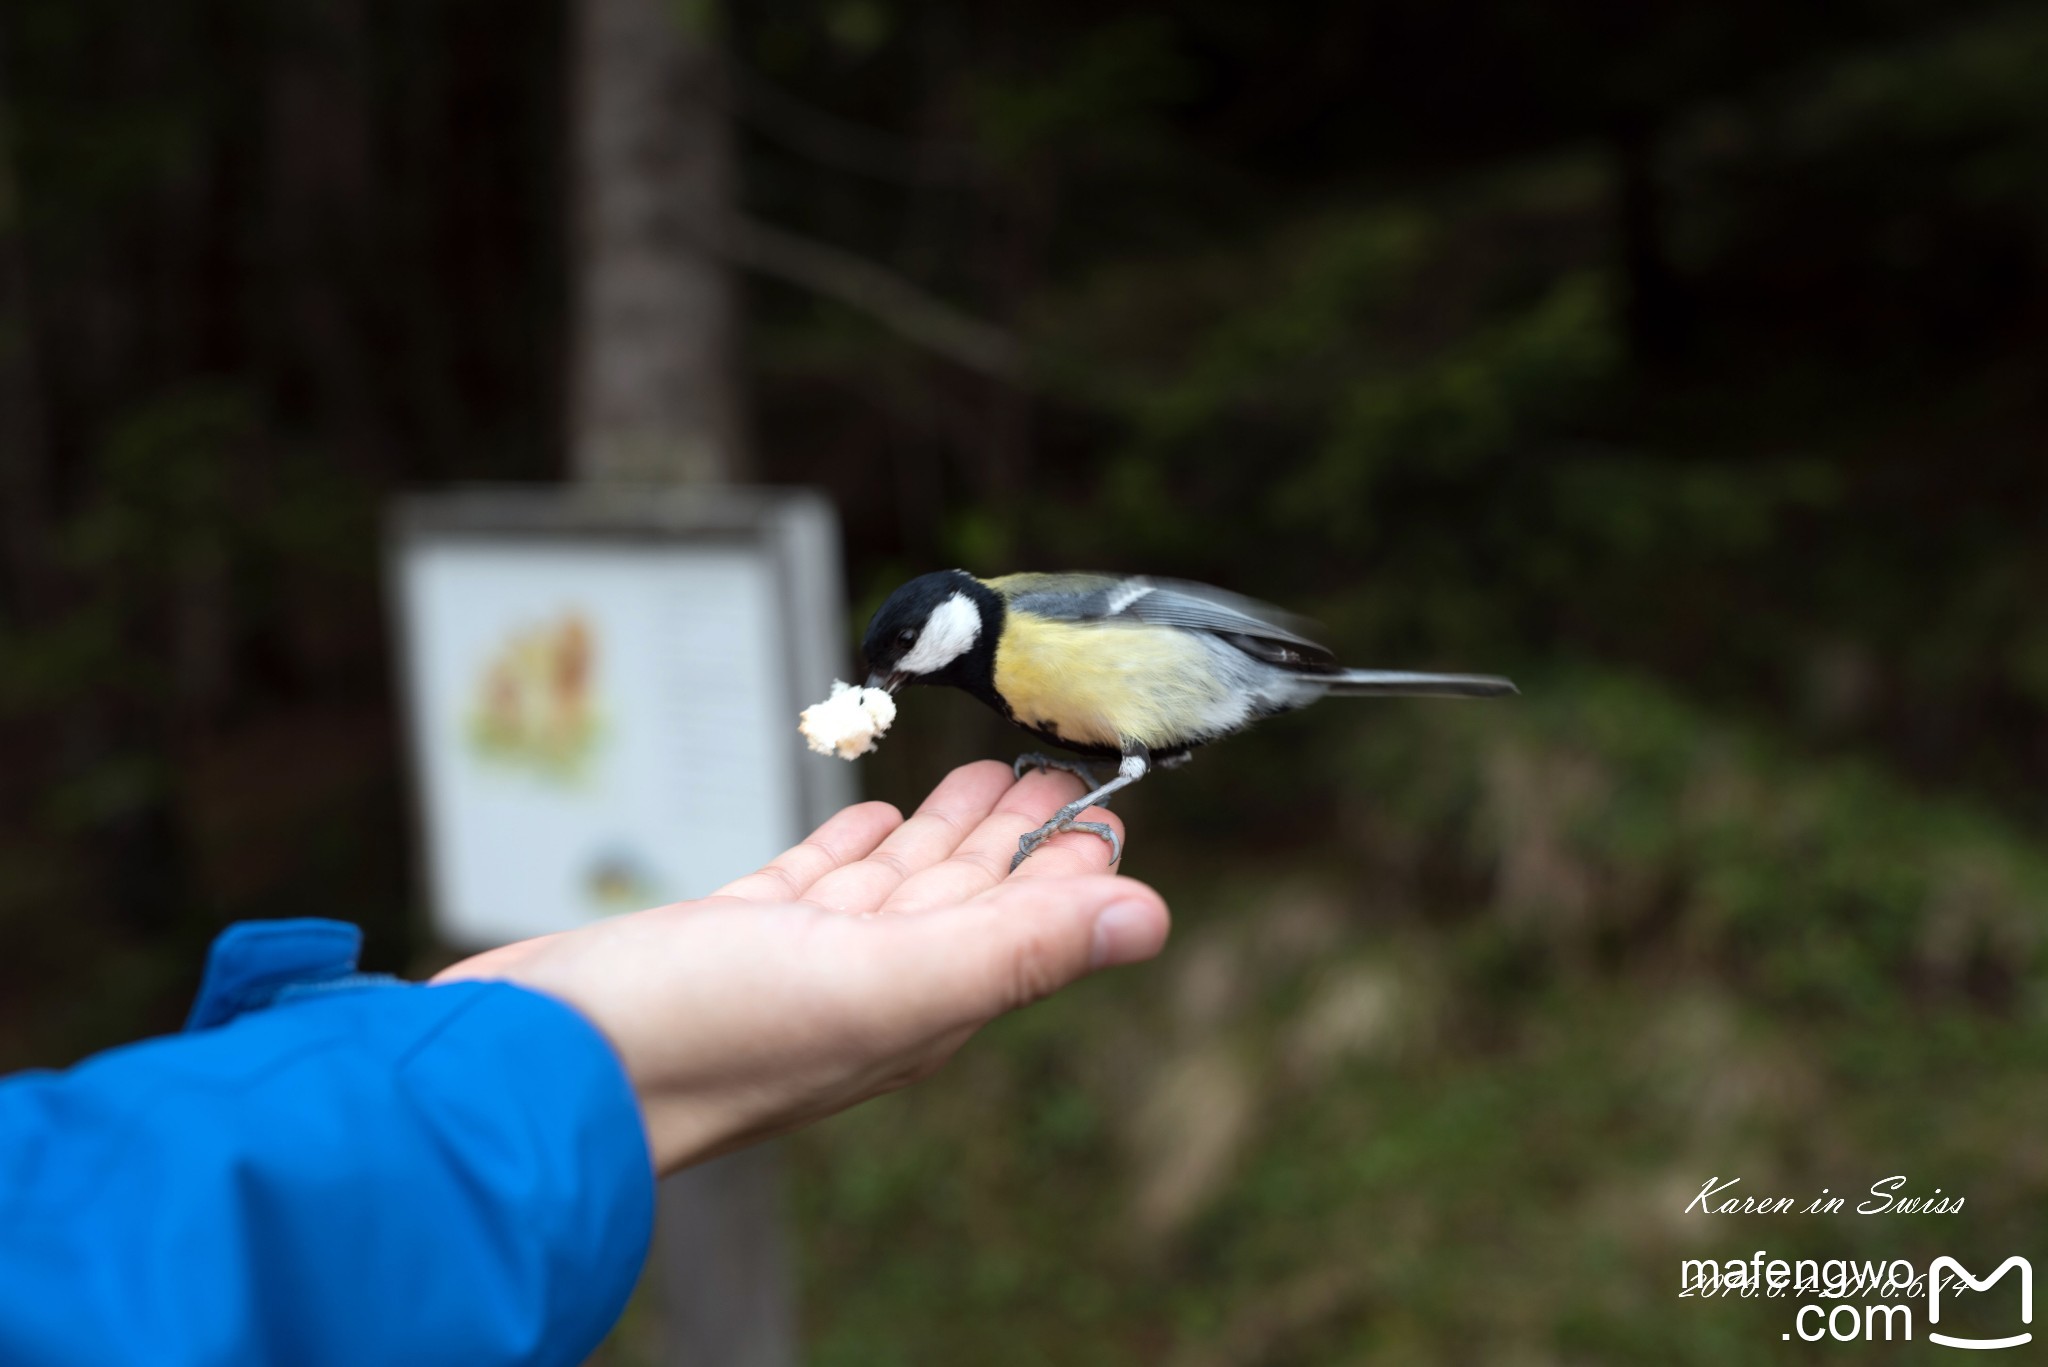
x,y
1395,683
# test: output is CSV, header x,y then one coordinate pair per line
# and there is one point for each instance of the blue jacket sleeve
x,y
326,1170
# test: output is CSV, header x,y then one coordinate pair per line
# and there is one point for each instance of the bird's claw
x,y
1085,772
1028,844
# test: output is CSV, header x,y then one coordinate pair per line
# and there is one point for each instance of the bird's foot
x,y
1085,772
1062,821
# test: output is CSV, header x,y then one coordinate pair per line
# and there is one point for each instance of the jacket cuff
x,y
539,1102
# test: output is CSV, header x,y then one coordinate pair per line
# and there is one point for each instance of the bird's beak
x,y
892,682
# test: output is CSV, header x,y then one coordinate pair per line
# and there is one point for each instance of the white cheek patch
x,y
949,633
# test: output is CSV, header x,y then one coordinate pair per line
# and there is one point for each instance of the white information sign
x,y
603,698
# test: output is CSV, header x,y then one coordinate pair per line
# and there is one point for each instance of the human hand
x,y
852,965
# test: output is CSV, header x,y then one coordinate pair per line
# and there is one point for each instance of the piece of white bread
x,y
849,722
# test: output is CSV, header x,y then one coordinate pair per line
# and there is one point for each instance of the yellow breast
x,y
1104,683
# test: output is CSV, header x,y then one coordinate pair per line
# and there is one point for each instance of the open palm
x,y
852,964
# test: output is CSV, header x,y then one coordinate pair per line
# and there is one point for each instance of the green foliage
x,y
1112,81
1625,826
1457,412
166,482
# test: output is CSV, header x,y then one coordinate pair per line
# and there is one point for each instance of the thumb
x,y
1025,939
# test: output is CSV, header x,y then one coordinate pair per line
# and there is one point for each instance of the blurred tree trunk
x,y
652,388
654,397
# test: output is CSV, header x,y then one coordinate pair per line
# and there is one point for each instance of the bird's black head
x,y
938,628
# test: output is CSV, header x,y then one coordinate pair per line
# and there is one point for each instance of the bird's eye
x,y
907,636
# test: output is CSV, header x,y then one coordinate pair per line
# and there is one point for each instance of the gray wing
x,y
1258,629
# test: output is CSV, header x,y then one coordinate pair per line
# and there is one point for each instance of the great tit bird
x,y
1140,671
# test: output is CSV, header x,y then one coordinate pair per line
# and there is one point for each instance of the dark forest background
x,y
1686,362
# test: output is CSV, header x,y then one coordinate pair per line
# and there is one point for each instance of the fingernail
x,y
1125,932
